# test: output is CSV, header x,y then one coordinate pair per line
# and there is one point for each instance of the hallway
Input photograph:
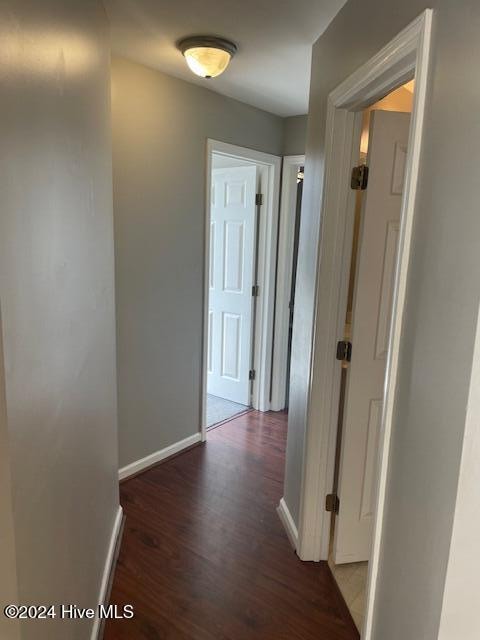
x,y
204,555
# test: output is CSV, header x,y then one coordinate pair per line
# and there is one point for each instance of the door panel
x,y
371,321
231,341
213,247
210,343
231,272
373,430
386,291
233,257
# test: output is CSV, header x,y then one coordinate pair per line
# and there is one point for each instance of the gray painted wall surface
x,y
460,599
8,558
57,301
442,298
160,128
295,136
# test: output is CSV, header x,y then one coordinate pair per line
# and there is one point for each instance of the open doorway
x,y
288,239
241,228
378,183
405,57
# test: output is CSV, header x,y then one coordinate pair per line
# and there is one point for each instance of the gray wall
x,y
460,599
160,128
295,136
8,558
57,301
442,297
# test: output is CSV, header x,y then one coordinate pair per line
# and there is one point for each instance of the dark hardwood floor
x,y
204,555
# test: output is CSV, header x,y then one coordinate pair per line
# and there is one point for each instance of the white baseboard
x,y
135,467
107,570
288,523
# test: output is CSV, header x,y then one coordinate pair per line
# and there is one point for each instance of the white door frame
x,y
269,169
405,56
286,236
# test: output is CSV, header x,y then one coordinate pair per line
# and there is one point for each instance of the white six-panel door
x,y
231,274
370,332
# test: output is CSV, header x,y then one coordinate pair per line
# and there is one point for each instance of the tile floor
x,y
352,582
219,409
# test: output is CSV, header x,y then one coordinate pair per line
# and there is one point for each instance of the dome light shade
x,y
206,61
207,56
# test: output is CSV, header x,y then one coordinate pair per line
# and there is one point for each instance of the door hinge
x,y
344,350
259,199
251,374
255,290
332,503
359,180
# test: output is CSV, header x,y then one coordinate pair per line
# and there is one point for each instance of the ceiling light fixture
x,y
207,56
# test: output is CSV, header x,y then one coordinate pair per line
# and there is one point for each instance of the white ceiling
x,y
272,67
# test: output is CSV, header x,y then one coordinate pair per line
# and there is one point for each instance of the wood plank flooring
x,y
204,555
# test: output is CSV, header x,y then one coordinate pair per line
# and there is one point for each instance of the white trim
x,y
405,56
286,237
288,523
139,465
270,168
107,570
